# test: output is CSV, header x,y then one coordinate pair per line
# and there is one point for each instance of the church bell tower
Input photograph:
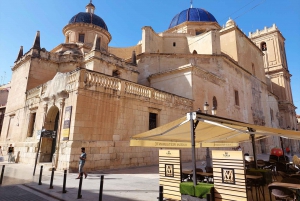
x,y
272,43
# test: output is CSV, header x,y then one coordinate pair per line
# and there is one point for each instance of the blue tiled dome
x,y
192,14
90,18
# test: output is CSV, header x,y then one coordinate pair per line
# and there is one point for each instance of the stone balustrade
x,y
126,87
97,81
137,89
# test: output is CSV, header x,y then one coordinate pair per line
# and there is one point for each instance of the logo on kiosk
x,y
226,155
228,176
169,170
169,153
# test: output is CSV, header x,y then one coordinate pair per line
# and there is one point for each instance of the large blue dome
x,y
192,14
90,18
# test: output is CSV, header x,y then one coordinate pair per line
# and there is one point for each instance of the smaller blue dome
x,y
90,18
192,14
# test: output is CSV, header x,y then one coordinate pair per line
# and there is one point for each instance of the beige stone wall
x,y
40,72
167,81
228,42
106,118
106,64
151,42
126,52
236,44
206,43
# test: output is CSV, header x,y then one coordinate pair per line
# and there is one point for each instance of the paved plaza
x,y
130,184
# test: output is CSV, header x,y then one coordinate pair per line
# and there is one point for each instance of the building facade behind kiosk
x,y
97,96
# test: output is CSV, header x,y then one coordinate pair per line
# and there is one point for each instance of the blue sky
x,y
20,19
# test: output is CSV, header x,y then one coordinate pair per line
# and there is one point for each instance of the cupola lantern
x,y
90,8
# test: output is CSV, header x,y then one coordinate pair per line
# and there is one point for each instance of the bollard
x,y
40,178
51,181
64,184
101,188
161,195
208,197
80,184
2,174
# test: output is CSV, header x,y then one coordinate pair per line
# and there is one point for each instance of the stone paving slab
x,y
19,193
130,184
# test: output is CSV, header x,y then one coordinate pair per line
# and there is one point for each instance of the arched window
x,y
195,52
263,46
116,73
215,102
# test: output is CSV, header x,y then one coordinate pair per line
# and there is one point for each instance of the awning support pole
x,y
254,149
281,142
193,148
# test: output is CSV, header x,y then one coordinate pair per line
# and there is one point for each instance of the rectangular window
x,y
152,120
236,97
31,124
253,69
2,112
81,38
271,114
174,44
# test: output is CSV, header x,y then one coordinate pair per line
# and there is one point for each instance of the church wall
x,y
40,72
175,45
108,64
151,42
206,43
16,100
155,63
249,56
229,43
126,52
167,81
105,119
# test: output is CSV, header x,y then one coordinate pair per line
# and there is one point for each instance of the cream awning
x,y
211,131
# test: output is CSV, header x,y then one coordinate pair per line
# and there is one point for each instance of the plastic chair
x,y
281,193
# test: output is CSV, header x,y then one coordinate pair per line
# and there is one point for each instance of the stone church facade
x,y
97,97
